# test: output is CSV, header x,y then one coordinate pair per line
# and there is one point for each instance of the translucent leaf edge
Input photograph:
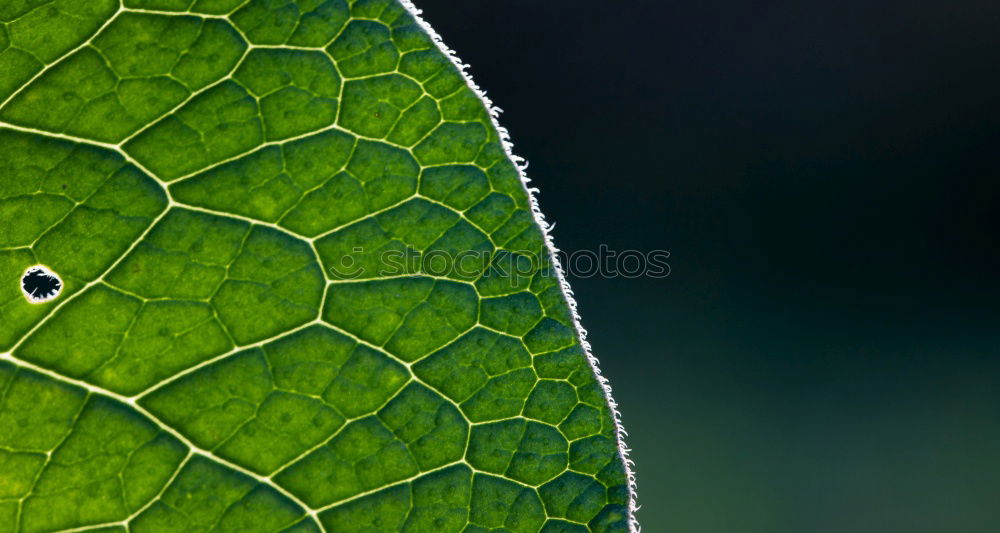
x,y
567,292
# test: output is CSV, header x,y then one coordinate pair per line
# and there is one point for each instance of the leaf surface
x,y
294,282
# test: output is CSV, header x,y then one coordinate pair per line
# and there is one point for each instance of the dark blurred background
x,y
825,355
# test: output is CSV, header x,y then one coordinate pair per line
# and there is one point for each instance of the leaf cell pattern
x,y
199,173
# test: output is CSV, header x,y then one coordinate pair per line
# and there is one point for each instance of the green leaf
x,y
281,273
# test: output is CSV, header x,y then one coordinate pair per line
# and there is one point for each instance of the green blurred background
x,y
825,355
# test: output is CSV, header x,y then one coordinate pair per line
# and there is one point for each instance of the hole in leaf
x,y
39,284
